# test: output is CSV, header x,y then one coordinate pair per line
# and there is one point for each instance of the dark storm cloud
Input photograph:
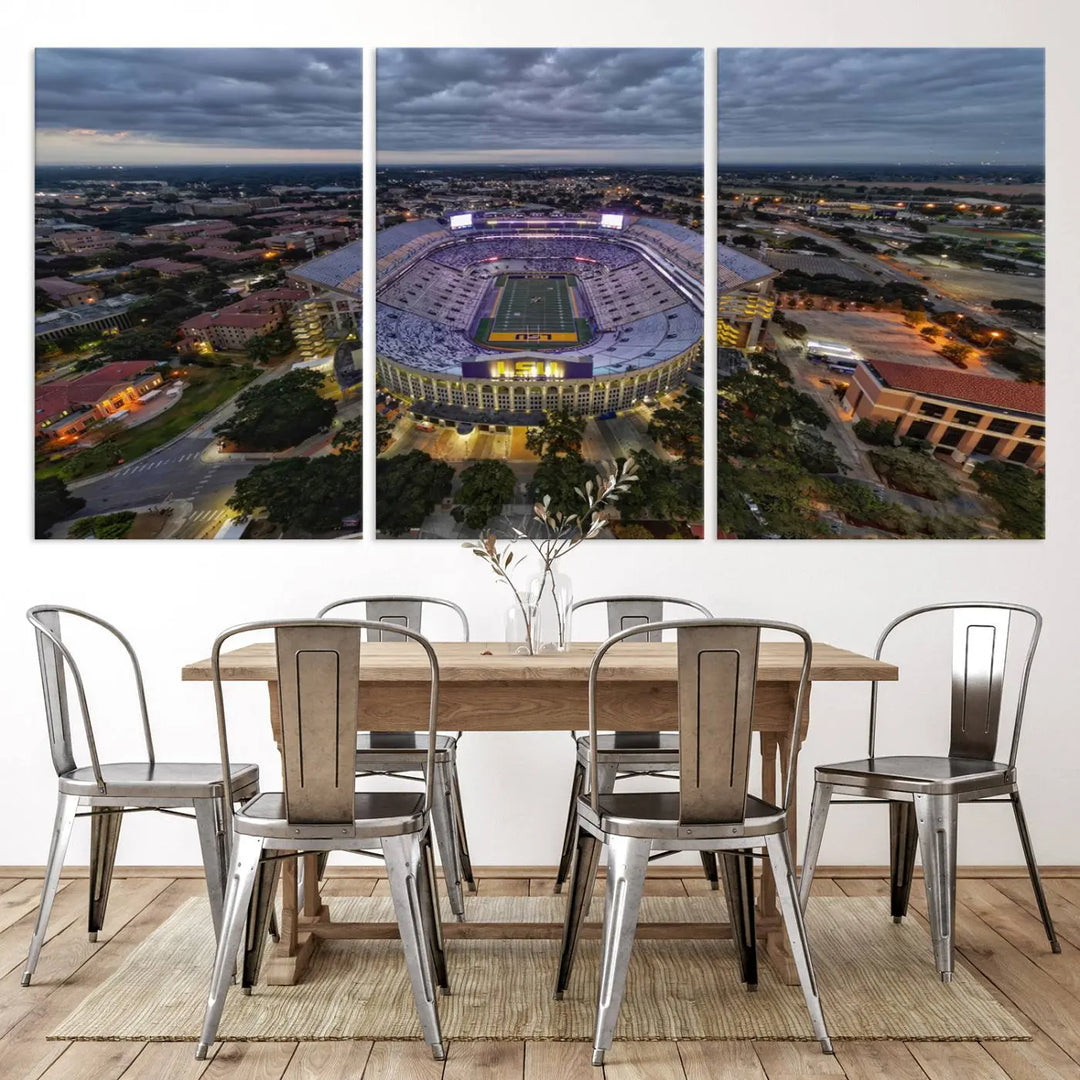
x,y
548,103
273,98
882,105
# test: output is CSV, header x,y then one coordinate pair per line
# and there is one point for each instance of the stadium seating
x,y
435,284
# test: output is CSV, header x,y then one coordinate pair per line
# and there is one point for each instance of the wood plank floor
x,y
998,934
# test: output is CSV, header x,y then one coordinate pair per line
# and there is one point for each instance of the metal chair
x,y
110,790
711,811
923,792
401,753
624,754
319,810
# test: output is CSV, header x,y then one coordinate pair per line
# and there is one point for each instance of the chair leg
x,y
712,871
788,899
210,821
428,892
577,789
1033,871
105,825
243,865
403,856
903,840
66,805
582,879
936,818
442,820
606,775
819,812
464,858
259,915
628,862
738,871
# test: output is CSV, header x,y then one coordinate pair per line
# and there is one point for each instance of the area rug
x,y
877,981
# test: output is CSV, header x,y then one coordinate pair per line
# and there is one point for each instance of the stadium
x,y
494,317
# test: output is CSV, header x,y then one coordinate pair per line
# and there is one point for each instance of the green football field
x,y
534,305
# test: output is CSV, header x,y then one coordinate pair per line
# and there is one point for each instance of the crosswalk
x,y
205,516
146,466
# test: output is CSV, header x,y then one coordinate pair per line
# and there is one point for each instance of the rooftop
x,y
1005,394
54,397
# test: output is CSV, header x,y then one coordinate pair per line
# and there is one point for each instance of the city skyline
x,y
523,106
881,106
197,106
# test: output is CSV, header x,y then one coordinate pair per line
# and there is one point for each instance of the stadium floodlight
x,y
461,221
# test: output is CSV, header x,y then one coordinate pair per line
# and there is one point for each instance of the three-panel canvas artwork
x,y
867,334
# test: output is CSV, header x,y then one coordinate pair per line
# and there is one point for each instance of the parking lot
x,y
883,335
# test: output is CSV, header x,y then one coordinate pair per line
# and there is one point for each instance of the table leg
x,y
289,959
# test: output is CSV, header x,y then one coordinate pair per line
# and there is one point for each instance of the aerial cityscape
x,y
539,292
540,301
190,381
896,198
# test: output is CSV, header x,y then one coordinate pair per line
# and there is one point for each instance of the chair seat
x,y
375,813
923,775
633,748
163,779
655,814
378,742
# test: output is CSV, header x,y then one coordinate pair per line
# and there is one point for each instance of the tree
x,y
43,301
560,433
257,349
350,435
309,494
150,344
486,488
103,526
52,503
664,490
407,487
817,454
278,414
678,428
930,332
955,351
912,471
1028,365
559,477
1019,493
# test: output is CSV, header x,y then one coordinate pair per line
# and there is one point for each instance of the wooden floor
x,y
998,934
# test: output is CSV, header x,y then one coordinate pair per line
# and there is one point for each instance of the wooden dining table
x,y
486,687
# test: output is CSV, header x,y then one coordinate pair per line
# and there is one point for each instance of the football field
x,y
534,309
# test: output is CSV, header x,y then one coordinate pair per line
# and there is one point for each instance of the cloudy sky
x,y
558,106
910,106
197,106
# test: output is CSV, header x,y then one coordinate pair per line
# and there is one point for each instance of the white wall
x,y
171,598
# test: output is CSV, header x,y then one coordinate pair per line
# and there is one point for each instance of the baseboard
x,y
687,870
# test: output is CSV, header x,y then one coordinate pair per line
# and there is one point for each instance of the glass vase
x,y
551,596
518,625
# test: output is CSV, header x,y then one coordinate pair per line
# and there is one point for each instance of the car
x,y
425,425
465,429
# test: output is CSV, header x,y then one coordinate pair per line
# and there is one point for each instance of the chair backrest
x,y
391,611
624,612
980,642
56,661
318,672
717,679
